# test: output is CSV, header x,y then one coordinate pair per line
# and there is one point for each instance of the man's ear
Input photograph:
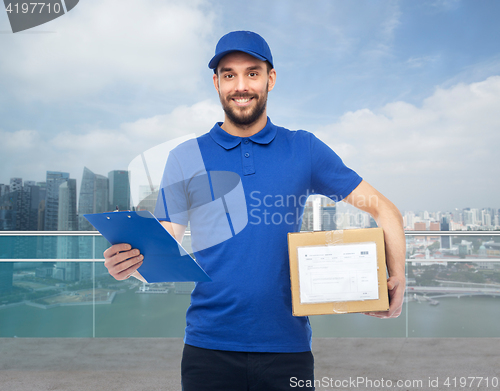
x,y
271,79
216,82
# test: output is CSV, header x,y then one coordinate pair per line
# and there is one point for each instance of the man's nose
x,y
241,85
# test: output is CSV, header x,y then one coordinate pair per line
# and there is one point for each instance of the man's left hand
x,y
396,286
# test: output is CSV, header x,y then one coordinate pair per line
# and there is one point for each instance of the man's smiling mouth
x,y
242,101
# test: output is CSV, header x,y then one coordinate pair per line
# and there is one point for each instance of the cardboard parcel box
x,y
337,272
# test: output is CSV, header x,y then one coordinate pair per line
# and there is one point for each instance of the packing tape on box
x,y
334,237
341,308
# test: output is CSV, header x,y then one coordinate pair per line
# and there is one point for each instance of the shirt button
x,y
247,154
245,141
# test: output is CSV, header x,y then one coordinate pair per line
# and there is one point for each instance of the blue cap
x,y
241,41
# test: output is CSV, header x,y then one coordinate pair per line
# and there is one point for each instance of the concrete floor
x,y
153,364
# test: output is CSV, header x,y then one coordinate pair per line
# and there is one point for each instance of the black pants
x,y
219,370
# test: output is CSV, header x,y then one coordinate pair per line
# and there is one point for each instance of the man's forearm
x,y
391,221
388,217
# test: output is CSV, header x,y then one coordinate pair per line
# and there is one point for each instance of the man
x,y
240,330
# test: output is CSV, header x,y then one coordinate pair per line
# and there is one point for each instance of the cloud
x,y
439,155
419,62
111,44
30,153
444,152
333,30
445,5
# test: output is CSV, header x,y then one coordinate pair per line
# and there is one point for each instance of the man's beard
x,y
240,117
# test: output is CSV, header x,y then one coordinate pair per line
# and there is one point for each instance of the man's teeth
x,y
242,100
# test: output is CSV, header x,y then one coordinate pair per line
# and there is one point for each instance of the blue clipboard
x,y
165,260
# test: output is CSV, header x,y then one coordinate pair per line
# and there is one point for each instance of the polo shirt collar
x,y
228,141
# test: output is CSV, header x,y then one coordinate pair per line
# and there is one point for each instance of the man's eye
x,y
252,74
229,76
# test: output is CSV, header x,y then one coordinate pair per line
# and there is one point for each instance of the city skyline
x,y
402,210
63,206
470,205
407,93
56,205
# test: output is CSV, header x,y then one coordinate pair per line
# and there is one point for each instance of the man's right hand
x,y
122,261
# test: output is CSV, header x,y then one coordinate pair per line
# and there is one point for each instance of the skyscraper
x,y
307,217
4,189
31,196
24,208
469,217
445,226
10,204
41,204
67,218
409,219
328,216
93,197
67,246
457,215
54,180
19,208
119,190
38,195
16,184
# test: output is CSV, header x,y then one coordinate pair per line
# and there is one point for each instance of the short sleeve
x,y
329,175
172,203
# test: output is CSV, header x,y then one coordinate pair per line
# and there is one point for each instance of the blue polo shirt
x,y
247,306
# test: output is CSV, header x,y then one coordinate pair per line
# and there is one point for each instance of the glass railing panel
x,y
358,326
52,247
48,292
68,298
46,299
142,310
453,286
453,291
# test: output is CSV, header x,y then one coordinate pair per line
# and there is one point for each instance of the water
x,y
476,316
163,315
130,315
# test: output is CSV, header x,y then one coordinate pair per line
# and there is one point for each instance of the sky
x,y
406,92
